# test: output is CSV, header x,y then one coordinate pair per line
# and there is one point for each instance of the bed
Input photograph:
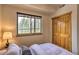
x,y
48,49
35,49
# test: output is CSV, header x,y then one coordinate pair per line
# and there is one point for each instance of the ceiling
x,y
41,8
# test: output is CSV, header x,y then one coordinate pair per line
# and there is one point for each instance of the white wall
x,y
70,8
78,27
9,24
0,26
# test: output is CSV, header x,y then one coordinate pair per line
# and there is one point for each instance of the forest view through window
x,y
28,24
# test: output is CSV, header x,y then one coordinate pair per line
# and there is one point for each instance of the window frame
x,y
29,34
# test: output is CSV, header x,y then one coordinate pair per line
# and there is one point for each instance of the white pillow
x,y
13,49
50,49
36,49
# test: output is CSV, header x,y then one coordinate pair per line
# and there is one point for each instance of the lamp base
x,y
7,44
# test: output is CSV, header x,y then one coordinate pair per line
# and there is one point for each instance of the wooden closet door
x,y
61,31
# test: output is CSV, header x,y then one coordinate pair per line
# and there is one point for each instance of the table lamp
x,y
7,36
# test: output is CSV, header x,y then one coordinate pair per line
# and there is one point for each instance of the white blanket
x,y
48,49
13,49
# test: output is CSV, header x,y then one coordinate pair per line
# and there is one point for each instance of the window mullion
x,y
34,24
30,24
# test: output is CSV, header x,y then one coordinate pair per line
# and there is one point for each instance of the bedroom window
x,y
28,24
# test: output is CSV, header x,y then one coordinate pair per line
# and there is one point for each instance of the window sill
x,y
30,34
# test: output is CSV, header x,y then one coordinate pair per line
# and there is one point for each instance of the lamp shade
x,y
7,35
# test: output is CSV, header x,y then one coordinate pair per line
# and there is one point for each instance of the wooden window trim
x,y
28,14
28,34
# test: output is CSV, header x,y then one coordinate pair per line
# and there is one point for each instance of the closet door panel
x,y
61,32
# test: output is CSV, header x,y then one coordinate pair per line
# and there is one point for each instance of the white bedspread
x,y
48,49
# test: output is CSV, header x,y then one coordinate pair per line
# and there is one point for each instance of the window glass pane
x,y
28,24
32,21
37,24
23,25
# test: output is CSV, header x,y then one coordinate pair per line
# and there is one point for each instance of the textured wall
x,y
70,8
78,27
9,24
0,26
0,21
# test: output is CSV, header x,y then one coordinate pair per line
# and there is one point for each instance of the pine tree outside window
x,y
28,24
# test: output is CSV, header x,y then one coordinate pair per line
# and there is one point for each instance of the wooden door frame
x,y
70,26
